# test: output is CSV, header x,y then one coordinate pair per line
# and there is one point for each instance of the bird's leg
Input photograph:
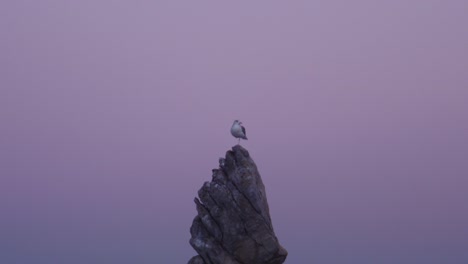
x,y
238,142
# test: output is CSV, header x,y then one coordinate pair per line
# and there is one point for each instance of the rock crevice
x,y
233,224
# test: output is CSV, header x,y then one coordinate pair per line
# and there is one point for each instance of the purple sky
x,y
113,113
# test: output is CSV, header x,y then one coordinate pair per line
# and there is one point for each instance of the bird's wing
x,y
243,131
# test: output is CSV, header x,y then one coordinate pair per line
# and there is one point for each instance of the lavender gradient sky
x,y
113,114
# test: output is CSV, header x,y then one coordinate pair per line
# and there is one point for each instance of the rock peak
x,y
233,224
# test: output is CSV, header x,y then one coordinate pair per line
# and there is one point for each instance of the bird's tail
x,y
245,137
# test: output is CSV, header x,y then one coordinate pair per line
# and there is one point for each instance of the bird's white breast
x,y
236,130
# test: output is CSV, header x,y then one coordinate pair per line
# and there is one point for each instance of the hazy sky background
x,y
113,113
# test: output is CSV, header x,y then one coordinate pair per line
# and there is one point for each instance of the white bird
x,y
238,131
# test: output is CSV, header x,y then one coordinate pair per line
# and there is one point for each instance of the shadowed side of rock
x,y
233,224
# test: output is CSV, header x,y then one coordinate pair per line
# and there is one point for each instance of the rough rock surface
x,y
233,224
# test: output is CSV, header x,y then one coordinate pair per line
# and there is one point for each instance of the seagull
x,y
238,131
